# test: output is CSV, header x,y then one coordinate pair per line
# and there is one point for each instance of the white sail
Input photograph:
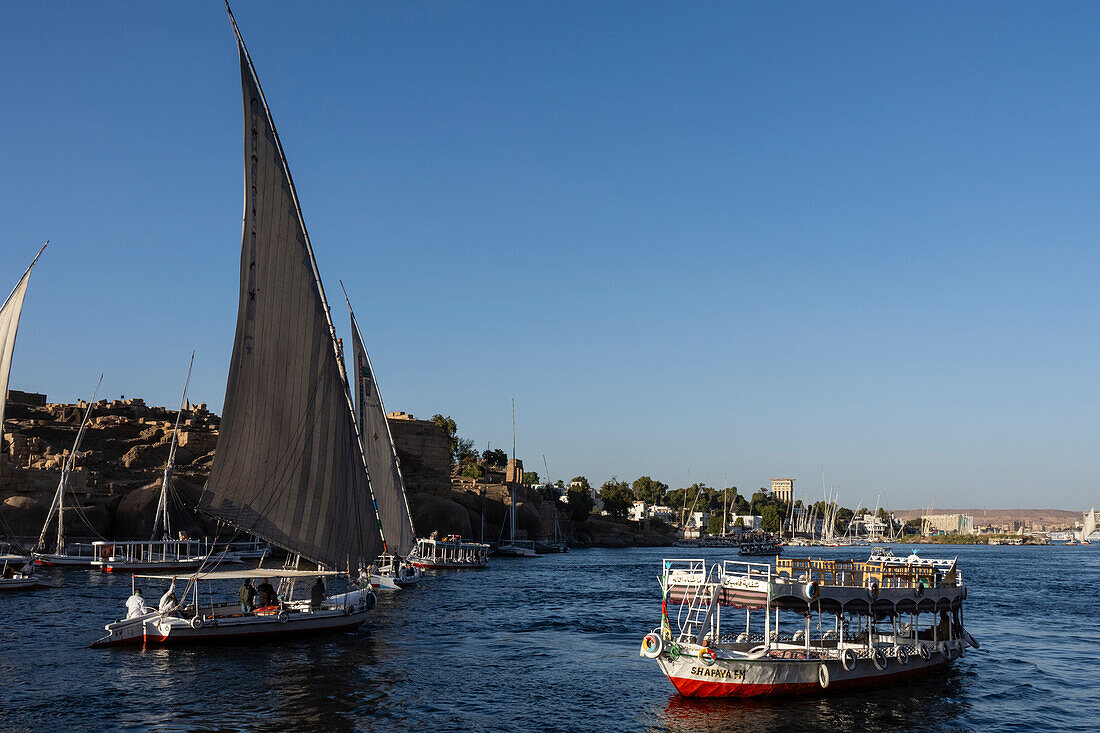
x,y
9,326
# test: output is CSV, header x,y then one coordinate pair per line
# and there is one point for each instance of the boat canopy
x,y
255,573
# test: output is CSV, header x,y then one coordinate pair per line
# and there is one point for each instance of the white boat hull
x,y
154,630
768,677
18,583
52,560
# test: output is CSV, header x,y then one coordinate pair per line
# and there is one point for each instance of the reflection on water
x,y
930,702
540,644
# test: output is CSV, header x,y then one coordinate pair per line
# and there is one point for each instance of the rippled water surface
x,y
540,644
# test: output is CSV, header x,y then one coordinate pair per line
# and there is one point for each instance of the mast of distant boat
x,y
58,504
162,505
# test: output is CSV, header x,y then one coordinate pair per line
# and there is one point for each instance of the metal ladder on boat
x,y
701,609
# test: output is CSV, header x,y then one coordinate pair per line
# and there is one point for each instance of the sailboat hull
x,y
153,630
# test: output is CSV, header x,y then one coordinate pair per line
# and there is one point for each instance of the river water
x,y
546,644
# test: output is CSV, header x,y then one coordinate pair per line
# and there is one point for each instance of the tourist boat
x,y
888,620
145,556
761,548
392,571
450,553
197,619
289,467
79,554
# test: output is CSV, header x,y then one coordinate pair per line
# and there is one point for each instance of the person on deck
x,y
265,595
168,602
135,604
317,594
247,594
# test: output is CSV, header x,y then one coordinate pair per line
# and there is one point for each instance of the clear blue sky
x,y
692,240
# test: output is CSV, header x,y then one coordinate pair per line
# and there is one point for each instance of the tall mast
x,y
162,506
313,264
58,503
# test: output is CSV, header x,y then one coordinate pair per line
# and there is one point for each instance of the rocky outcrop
x,y
21,516
135,513
153,456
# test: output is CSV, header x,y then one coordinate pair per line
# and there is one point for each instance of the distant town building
x,y
749,522
664,513
697,520
783,489
637,511
514,473
947,524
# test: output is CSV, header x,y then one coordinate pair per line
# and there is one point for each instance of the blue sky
x,y
693,241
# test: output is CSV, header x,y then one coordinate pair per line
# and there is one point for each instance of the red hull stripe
x,y
704,688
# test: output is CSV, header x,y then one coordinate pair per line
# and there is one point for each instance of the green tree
x,y
495,457
580,501
771,518
649,490
471,469
450,430
714,524
581,481
739,522
616,496
530,477
465,451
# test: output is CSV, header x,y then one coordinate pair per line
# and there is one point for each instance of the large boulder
x,y
21,516
136,512
433,513
154,456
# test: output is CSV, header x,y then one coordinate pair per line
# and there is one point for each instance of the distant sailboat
x,y
392,571
289,466
164,552
16,572
80,554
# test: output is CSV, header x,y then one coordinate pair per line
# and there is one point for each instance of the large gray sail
x,y
9,327
385,472
289,467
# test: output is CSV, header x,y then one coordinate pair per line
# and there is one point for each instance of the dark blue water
x,y
541,644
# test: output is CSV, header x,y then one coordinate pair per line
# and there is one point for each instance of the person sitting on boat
x,y
168,602
317,594
247,594
9,572
265,595
135,604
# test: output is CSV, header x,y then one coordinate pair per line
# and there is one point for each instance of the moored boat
x,y
450,553
289,467
196,619
876,636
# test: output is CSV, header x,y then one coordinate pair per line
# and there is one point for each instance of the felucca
x,y
289,466
16,570
393,570
67,555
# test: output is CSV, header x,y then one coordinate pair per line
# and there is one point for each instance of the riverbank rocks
x,y
135,513
434,513
21,516
152,456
